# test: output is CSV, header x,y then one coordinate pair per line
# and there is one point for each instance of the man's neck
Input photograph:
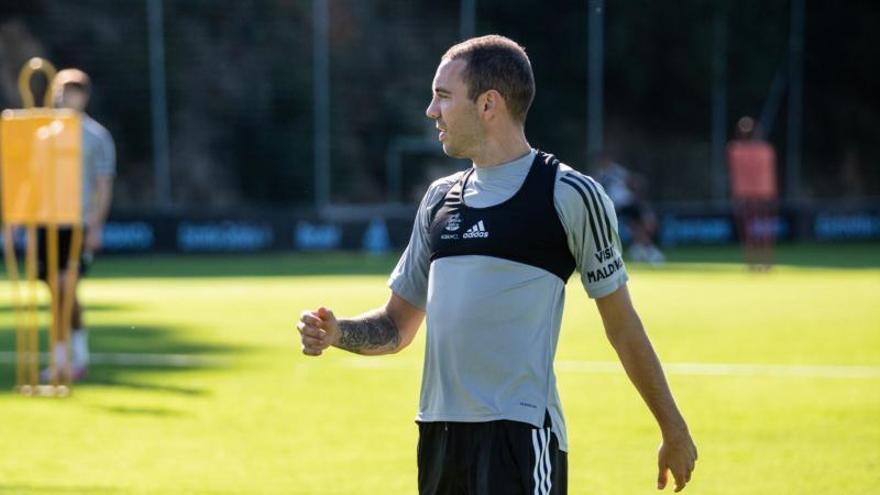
x,y
505,148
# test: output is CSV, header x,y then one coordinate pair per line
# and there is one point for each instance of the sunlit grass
x,y
269,420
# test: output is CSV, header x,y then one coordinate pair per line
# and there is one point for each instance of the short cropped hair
x,y
499,63
72,78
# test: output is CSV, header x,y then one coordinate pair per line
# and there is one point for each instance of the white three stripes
x,y
477,227
543,467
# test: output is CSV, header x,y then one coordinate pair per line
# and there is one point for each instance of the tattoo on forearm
x,y
370,333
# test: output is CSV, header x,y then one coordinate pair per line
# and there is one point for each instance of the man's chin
x,y
452,152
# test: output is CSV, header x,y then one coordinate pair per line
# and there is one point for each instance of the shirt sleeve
x,y
409,279
105,155
590,223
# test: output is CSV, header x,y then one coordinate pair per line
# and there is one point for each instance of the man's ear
x,y
489,103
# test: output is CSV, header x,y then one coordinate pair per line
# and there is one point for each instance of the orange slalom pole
x,y
69,289
52,272
15,288
33,336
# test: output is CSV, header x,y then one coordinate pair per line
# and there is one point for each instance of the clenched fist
x,y
317,330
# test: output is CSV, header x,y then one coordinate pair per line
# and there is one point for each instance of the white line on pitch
x,y
732,369
136,359
705,369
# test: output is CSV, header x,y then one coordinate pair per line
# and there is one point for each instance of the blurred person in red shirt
x,y
752,163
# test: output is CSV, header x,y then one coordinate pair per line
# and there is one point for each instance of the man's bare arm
x,y
100,205
384,330
100,208
373,332
627,335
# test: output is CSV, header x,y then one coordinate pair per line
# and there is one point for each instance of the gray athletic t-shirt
x,y
98,158
493,324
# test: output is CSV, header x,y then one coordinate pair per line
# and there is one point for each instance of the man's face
x,y
461,131
71,97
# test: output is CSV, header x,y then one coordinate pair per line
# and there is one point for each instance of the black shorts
x,y
491,458
65,236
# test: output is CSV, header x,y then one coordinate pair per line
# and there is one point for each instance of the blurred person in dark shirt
x,y
626,191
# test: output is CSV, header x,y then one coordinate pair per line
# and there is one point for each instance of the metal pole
x,y
159,105
467,19
321,90
595,88
719,105
795,100
773,101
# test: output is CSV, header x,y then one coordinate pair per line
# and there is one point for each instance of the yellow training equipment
x,y
41,162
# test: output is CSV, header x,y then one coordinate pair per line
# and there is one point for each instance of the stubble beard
x,y
466,144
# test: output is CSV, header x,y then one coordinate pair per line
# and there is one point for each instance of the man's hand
x,y
318,330
627,334
384,330
677,455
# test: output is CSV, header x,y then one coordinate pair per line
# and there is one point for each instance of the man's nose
x,y
431,112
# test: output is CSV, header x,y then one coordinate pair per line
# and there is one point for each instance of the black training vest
x,y
525,228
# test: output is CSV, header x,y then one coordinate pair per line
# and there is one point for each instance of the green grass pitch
x,y
247,413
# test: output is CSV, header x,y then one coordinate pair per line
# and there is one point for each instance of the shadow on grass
x,y
159,412
242,265
144,342
6,307
99,378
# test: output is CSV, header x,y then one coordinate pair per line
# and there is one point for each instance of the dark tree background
x,y
239,82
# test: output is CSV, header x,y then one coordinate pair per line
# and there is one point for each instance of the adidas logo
x,y
478,230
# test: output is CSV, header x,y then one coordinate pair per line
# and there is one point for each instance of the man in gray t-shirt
x,y
72,89
487,263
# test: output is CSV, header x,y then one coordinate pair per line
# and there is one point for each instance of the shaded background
x,y
239,77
